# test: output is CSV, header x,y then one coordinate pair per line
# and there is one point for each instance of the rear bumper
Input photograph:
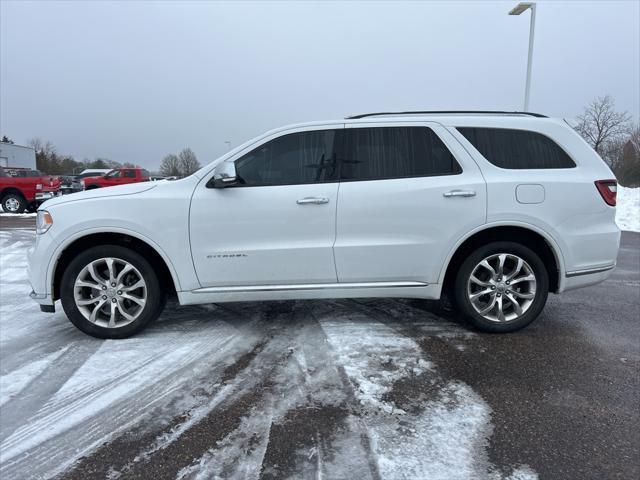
x,y
586,277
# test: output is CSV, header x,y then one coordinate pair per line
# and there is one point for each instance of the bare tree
x,y
46,157
188,162
44,148
600,124
170,166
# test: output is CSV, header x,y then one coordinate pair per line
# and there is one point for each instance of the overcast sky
x,y
135,81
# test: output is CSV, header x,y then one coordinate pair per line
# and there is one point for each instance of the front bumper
x,y
38,258
42,196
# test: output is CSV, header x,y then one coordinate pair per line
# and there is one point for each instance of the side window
x,y
144,173
395,152
130,173
517,149
296,158
114,174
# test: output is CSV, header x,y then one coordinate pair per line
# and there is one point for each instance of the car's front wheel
x,y
502,287
111,291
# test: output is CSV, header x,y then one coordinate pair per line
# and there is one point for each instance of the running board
x,y
307,286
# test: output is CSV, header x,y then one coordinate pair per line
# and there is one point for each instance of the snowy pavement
x,y
367,389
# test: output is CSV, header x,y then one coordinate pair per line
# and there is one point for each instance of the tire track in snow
x,y
122,381
221,386
249,390
40,389
462,419
321,428
295,426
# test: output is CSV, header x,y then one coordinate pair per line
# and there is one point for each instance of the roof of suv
x,y
524,120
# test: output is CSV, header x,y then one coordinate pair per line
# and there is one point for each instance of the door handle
x,y
459,193
312,201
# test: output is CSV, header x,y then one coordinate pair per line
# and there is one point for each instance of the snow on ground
x,y
350,394
90,389
628,208
4,214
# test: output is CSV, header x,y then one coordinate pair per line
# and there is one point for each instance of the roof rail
x,y
443,112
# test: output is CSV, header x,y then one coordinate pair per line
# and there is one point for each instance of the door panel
x,y
402,229
261,235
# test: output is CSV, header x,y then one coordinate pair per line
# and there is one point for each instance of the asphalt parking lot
x,y
374,388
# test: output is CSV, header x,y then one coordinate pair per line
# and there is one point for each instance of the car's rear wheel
x,y
111,291
13,203
502,287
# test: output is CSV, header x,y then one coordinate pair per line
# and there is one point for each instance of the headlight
x,y
43,222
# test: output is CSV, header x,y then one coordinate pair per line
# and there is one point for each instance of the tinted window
x,y
130,174
144,173
517,149
305,157
114,174
395,152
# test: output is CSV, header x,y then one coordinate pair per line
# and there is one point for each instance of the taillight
x,y
608,190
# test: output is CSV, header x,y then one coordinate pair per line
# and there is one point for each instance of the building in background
x,y
12,155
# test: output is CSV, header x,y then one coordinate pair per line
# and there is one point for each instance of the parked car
x,y
24,189
77,183
495,209
69,184
117,176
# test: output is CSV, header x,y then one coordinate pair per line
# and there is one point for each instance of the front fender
x,y
62,246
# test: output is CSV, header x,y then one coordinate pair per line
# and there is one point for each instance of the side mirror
x,y
224,175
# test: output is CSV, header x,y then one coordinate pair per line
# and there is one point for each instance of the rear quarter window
x,y
517,149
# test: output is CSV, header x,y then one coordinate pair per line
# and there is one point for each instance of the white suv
x,y
495,208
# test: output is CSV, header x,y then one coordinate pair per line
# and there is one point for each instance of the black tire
x,y
463,303
13,203
156,297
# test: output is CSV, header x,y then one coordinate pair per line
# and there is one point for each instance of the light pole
x,y
517,10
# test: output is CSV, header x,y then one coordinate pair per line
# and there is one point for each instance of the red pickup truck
x,y
117,176
24,189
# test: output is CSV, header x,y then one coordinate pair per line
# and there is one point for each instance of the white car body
x,y
380,238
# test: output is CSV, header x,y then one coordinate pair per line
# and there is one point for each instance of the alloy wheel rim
x,y
502,287
12,204
110,292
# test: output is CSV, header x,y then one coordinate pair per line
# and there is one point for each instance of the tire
x,y
92,187
13,203
130,316
529,294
